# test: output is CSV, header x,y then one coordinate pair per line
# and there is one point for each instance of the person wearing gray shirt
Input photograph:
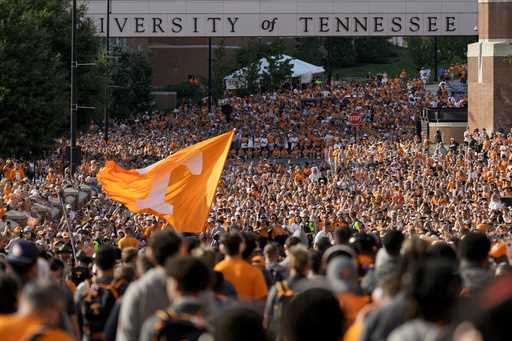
x,y
149,293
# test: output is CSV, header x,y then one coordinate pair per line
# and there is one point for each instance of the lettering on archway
x,y
189,18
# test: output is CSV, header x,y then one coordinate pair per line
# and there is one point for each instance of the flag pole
x,y
68,224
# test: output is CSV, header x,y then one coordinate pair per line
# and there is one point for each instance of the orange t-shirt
x,y
247,279
16,328
127,241
351,304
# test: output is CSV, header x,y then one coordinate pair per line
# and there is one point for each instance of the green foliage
x,y
372,50
251,76
187,92
35,70
451,50
421,50
310,49
340,52
220,70
131,82
278,70
254,51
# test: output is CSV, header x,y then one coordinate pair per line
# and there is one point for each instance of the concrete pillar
x,y
490,68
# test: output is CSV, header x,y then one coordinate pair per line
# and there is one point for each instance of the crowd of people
x,y
319,230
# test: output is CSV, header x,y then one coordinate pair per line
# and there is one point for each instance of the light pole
x,y
436,47
107,93
209,74
74,107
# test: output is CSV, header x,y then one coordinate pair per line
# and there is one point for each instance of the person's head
x,y
323,244
57,269
342,236
22,259
271,253
441,251
128,231
9,288
105,259
342,274
125,273
129,255
249,242
314,314
163,245
187,276
290,242
299,260
392,242
231,244
43,300
238,324
144,263
435,286
315,262
474,248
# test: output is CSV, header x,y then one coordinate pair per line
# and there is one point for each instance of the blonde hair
x,y
299,258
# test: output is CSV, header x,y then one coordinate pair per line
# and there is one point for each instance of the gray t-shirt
x,y
141,300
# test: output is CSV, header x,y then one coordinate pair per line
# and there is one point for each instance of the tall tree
x,y
374,50
451,50
310,49
132,82
279,70
220,69
251,76
35,71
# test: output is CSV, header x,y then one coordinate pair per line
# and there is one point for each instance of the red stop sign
x,y
355,118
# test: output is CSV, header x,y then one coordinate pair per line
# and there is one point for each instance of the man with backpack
x,y
185,319
283,291
95,305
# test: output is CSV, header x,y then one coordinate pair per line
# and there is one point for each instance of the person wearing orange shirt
x,y
343,277
128,240
248,280
9,171
40,308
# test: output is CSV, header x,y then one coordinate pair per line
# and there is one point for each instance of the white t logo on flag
x,y
156,198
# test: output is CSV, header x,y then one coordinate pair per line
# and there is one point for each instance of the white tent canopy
x,y
299,69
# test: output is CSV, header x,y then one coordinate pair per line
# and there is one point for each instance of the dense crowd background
x,y
319,230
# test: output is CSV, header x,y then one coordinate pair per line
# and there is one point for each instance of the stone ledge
x,y
490,48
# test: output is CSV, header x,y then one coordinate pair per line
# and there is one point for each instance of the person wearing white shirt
x,y
323,233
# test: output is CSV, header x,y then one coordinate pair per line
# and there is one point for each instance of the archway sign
x,y
244,18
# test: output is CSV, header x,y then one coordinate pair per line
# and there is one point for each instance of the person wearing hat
x,y
22,259
342,274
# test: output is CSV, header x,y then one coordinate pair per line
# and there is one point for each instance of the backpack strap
x,y
112,288
169,315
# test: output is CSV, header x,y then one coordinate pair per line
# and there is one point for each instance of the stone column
x,y
490,68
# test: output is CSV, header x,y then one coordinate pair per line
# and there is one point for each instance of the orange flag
x,y
179,189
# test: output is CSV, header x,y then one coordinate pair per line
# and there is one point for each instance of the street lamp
x,y
73,153
107,93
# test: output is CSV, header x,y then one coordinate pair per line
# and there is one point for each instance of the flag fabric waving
x,y
179,189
